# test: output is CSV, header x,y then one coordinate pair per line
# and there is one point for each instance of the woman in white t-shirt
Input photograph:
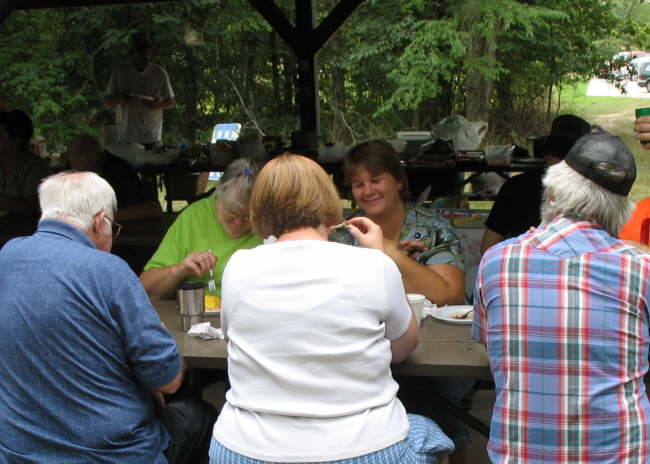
x,y
312,329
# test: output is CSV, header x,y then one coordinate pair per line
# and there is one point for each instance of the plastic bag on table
x,y
464,135
487,185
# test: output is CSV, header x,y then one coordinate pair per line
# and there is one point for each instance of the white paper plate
x,y
446,314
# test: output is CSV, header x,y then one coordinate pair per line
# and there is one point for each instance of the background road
x,y
602,88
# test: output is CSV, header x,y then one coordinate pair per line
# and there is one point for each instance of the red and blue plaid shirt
x,y
564,313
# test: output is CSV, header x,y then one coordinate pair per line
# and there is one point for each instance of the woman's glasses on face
x,y
233,215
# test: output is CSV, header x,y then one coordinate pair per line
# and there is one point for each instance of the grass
x,y
178,206
615,114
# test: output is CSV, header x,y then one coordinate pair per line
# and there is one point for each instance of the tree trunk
x,y
191,96
339,134
415,119
275,72
478,85
290,78
250,75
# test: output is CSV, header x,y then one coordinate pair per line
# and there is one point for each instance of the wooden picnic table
x,y
444,349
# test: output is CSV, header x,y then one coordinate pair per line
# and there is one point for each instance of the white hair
x,y
568,193
236,183
76,197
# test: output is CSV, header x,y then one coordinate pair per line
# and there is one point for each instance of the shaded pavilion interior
x,y
303,36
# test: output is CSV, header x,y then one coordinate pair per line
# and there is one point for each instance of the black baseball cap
x,y
565,130
605,160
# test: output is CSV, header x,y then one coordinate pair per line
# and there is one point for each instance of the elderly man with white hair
x,y
83,354
563,310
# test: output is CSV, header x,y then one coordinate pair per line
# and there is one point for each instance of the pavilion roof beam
x,y
306,41
278,21
47,4
334,20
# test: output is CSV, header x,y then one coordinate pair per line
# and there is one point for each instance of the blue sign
x,y
229,132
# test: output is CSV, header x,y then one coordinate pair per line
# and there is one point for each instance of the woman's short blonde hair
x,y
291,192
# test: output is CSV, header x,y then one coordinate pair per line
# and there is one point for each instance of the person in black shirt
x,y
517,206
20,169
134,199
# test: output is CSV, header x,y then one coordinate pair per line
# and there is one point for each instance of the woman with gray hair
x,y
205,235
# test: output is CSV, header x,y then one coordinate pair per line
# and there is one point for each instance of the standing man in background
x,y
139,92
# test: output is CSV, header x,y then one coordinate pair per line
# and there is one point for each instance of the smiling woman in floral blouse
x,y
424,246
427,252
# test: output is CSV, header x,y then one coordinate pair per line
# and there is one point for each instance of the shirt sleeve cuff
x,y
165,375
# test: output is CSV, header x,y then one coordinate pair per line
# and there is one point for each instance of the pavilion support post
x,y
305,39
308,100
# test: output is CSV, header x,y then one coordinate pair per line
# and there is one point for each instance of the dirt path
x,y
603,88
613,121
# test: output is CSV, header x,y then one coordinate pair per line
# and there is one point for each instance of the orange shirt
x,y
632,230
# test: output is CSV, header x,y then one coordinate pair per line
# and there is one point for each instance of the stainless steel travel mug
x,y
190,303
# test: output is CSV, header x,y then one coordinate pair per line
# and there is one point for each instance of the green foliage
x,y
431,59
400,64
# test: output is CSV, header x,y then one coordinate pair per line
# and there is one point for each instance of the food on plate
x,y
212,302
463,314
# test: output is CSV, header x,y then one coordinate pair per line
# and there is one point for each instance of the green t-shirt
x,y
198,228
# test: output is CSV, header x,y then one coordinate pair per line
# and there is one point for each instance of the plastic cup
x,y
417,303
642,112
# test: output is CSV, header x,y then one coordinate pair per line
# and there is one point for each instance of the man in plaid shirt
x,y
564,313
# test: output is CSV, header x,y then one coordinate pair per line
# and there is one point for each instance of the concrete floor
x,y
481,409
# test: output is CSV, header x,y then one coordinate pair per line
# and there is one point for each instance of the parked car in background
x,y
634,66
603,69
629,55
623,65
644,75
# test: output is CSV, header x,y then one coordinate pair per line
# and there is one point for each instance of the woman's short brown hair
x,y
291,192
378,157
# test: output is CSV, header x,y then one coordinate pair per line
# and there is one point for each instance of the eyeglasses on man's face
x,y
116,227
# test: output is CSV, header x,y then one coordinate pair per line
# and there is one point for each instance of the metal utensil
x,y
463,315
212,286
